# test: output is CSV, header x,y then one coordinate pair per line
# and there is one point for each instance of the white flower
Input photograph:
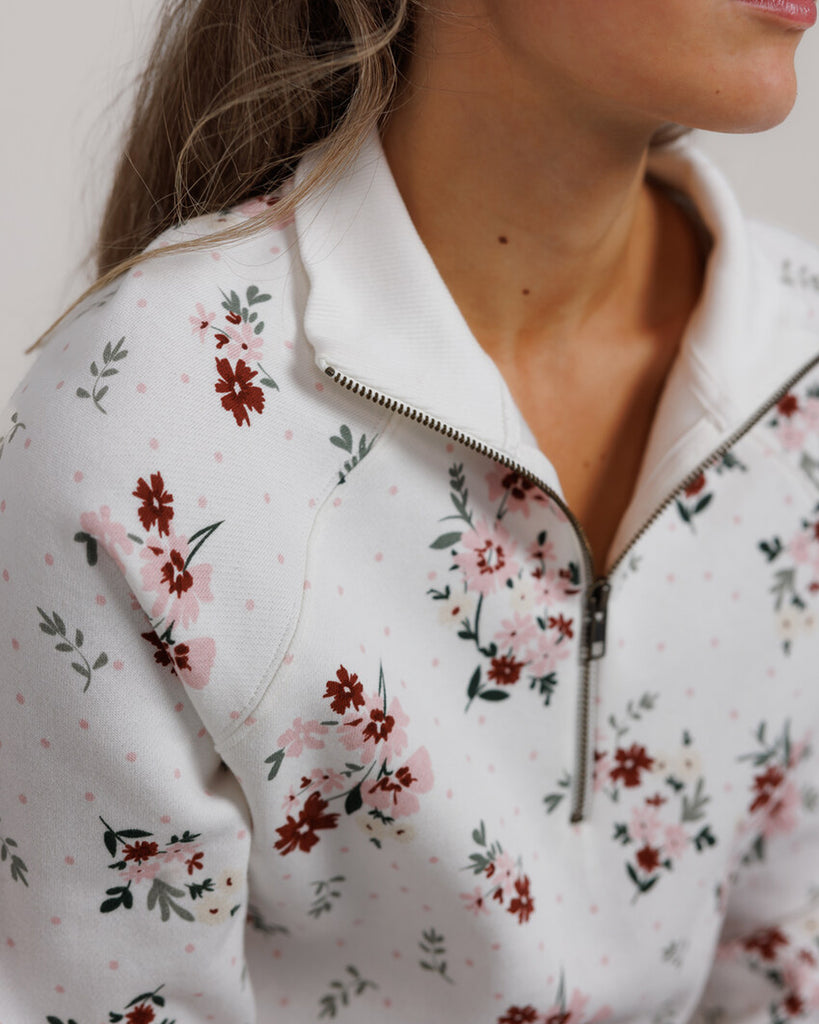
x,y
454,609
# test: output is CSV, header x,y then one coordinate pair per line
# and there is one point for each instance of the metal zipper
x,y
598,588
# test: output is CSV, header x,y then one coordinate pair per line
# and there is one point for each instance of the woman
x,y
410,564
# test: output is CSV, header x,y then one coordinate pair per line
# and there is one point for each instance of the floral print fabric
x,y
292,696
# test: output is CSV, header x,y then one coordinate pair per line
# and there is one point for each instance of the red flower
x,y
301,834
379,726
156,504
140,851
793,1004
766,943
176,575
196,862
523,904
176,656
238,393
564,626
788,405
656,800
233,318
695,486
345,692
648,858
765,784
629,765
505,671
519,1015
141,1014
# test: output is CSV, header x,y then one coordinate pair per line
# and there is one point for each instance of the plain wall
x,y
60,73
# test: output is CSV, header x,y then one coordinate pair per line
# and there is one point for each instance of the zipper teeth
x,y
578,807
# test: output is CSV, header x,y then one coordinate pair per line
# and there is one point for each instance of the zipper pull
x,y
596,613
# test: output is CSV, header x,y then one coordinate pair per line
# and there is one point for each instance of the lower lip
x,y
798,12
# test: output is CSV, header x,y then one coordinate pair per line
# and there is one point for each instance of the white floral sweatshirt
x,y
313,704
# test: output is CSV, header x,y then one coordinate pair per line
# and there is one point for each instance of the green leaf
x,y
446,540
101,660
81,393
110,840
134,833
275,761
103,391
268,382
58,622
344,440
474,683
353,802
494,695
83,671
64,647
110,372
106,352
94,370
78,638
703,503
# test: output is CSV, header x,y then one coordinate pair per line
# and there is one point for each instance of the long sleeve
x,y
125,841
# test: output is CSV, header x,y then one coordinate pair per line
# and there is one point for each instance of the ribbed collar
x,y
379,312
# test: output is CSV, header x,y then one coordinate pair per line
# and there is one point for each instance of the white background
x,y
65,69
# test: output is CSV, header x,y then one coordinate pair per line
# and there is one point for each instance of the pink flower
x,y
242,343
556,585
675,841
791,437
810,412
573,1011
488,560
263,204
300,735
291,801
180,852
194,660
373,731
516,632
136,871
201,322
645,824
780,811
505,874
600,769
801,545
517,489
396,794
542,552
179,588
110,534
325,780
475,901
551,649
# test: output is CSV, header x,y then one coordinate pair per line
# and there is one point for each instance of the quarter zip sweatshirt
x,y
314,704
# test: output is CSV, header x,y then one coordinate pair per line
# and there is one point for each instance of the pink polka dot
x,y
113,965
267,502
49,559
6,575
289,344
154,443
275,250
178,707
177,774
165,819
288,435
10,942
185,378
23,798
131,756
280,559
593,909
142,303
69,861
83,723
100,600
137,273
241,834
59,989
234,715
214,256
118,665
288,658
387,1002
319,386
661,646
141,388
336,503
78,477
433,860
202,732
733,714
44,743
496,946
218,456
27,442
249,604
62,382
307,584
3,505
435,663
56,920
379,557
449,794
393,490
89,797
190,948
15,644
604,960
690,691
